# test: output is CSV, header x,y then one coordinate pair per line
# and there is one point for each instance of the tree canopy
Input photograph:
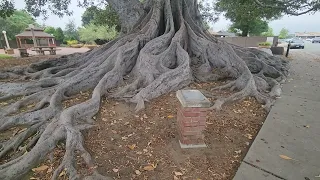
x,y
253,28
269,32
91,32
246,15
71,31
98,16
50,30
291,7
60,8
58,34
284,33
16,23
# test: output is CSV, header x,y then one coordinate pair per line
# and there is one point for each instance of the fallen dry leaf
x,y
115,170
178,173
145,116
124,138
132,146
148,168
62,173
50,170
238,152
137,172
249,136
33,178
170,116
40,168
175,178
285,157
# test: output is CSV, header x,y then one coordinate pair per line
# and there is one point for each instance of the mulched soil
x,y
144,145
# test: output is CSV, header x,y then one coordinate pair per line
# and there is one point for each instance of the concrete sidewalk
x,y
292,129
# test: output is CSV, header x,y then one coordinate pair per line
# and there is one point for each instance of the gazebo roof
x,y
37,33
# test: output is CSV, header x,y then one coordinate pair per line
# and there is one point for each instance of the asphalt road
x,y
310,48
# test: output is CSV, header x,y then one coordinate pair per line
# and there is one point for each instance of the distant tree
x,y
92,32
88,15
253,28
106,16
50,30
71,32
269,32
246,15
284,33
58,34
16,23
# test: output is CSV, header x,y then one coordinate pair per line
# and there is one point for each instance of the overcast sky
x,y
308,23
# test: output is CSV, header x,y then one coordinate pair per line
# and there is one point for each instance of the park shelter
x,y
25,39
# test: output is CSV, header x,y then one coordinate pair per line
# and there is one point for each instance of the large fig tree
x,y
164,49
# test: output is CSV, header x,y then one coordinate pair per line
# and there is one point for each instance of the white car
x,y
308,39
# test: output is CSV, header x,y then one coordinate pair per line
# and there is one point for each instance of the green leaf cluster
x,y
16,23
91,32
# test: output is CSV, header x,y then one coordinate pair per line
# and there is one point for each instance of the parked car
x,y
316,40
296,44
308,39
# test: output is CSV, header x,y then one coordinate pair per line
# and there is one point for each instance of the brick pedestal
x,y
191,118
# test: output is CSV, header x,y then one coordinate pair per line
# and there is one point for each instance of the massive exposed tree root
x,y
164,53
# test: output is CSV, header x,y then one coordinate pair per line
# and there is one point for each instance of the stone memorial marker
x,y
191,118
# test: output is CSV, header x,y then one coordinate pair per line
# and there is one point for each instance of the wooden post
x,y
17,42
20,44
288,49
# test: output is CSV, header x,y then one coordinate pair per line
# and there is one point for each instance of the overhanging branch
x,y
292,7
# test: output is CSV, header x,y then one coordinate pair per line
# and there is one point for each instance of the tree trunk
x,y
245,32
164,52
129,11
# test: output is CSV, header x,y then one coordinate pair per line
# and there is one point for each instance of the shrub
x,y
264,44
72,42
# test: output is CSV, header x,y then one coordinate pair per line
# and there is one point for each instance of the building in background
x,y
24,39
307,35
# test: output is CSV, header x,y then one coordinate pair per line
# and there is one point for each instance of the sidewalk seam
x,y
277,176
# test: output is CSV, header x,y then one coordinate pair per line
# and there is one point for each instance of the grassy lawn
x,y
4,56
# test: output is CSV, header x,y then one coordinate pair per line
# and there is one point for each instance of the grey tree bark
x,y
129,11
165,51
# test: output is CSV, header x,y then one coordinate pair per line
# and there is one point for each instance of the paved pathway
x,y
61,51
292,129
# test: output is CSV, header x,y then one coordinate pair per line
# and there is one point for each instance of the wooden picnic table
x,y
42,49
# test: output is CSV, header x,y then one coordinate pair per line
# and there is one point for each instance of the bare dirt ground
x,y
144,145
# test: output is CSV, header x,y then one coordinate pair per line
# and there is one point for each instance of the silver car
x,y
296,44
316,40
